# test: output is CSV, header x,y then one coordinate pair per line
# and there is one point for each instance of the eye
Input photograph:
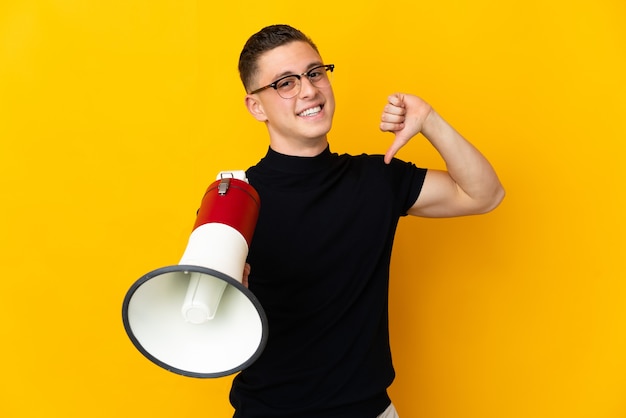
x,y
286,84
316,73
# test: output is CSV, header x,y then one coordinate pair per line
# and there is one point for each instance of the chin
x,y
318,133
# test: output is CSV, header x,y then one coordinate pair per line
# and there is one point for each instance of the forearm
x,y
468,168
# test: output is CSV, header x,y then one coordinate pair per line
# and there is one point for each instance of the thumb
x,y
395,146
396,101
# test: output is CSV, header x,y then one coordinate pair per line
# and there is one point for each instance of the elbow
x,y
493,201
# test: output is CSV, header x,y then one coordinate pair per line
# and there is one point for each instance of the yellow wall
x,y
115,116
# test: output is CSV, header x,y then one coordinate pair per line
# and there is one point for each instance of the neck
x,y
300,149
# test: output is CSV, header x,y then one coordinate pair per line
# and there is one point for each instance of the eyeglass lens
x,y
289,86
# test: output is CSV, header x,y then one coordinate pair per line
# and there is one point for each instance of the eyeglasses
x,y
289,86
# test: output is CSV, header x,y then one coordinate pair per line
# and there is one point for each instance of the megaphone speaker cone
x,y
229,342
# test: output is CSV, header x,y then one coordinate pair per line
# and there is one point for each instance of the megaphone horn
x,y
197,318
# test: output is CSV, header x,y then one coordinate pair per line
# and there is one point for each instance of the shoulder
x,y
375,164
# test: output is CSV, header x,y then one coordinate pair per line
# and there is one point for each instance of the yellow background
x,y
115,115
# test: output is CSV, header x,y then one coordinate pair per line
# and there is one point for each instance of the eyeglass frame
x,y
274,85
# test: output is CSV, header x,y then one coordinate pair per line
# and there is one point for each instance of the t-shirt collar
x,y
295,164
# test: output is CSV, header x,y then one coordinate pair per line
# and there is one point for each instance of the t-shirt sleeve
x,y
407,181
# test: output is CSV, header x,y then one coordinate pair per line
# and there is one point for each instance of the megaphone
x,y
196,318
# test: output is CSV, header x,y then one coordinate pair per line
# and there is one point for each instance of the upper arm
x,y
442,197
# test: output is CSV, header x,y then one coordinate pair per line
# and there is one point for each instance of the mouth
x,y
312,111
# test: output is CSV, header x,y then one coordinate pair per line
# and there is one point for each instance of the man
x,y
321,250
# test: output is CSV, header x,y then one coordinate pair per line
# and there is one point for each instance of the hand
x,y
246,273
404,115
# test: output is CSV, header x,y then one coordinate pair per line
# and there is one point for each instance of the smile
x,y
311,112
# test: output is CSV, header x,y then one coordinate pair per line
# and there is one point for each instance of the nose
x,y
307,88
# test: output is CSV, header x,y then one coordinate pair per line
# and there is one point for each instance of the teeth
x,y
311,111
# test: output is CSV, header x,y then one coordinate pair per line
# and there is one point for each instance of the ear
x,y
255,107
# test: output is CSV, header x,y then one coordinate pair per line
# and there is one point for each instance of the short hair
x,y
263,41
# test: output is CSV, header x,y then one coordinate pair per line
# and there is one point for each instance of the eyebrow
x,y
308,67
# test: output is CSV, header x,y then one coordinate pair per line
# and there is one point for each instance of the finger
x,y
246,273
392,109
396,99
392,151
391,126
393,116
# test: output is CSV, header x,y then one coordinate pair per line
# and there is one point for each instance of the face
x,y
297,126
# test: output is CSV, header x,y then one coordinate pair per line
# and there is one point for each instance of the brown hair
x,y
265,40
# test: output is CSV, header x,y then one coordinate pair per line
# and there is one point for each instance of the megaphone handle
x,y
202,299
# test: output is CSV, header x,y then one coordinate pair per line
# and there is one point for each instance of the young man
x,y
321,250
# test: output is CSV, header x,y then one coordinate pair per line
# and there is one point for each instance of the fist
x,y
404,116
